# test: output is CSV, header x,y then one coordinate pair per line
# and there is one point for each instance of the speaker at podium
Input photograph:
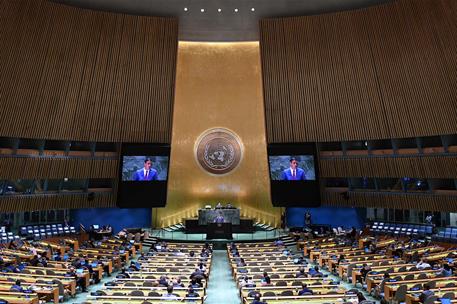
x,y
219,231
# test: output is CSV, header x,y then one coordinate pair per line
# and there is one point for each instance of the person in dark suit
x,y
191,294
426,293
147,173
257,299
304,290
17,287
219,218
294,172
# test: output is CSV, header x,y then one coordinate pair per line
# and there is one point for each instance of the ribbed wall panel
x,y
36,168
388,71
418,167
46,202
429,202
74,74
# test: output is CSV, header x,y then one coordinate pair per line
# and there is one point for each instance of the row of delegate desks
x,y
345,267
411,279
328,244
391,287
68,282
409,251
43,282
19,297
40,290
374,278
409,275
138,245
143,285
321,256
328,251
412,297
379,244
317,289
282,271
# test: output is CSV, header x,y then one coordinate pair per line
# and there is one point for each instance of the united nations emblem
x,y
218,151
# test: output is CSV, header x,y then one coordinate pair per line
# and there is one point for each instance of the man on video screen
x,y
147,173
294,172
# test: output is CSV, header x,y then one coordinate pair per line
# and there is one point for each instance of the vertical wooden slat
x,y
387,71
72,74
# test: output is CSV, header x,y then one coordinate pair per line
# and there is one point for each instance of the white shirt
x,y
422,265
292,171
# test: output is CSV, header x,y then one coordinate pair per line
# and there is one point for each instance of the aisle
x,y
221,286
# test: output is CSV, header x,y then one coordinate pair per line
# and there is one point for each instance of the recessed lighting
x,y
186,9
236,10
252,9
202,10
219,10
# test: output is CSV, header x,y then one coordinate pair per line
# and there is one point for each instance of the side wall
x,y
76,74
387,71
72,74
345,217
117,218
383,72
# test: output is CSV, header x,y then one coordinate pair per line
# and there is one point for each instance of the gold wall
x,y
218,85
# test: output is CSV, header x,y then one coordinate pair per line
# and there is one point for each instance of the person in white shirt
x,y
422,265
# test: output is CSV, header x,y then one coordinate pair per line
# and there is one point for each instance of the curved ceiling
x,y
221,20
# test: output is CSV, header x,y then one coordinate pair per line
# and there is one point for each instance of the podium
x,y
219,231
206,216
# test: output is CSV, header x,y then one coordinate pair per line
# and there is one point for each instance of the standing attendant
x,y
307,218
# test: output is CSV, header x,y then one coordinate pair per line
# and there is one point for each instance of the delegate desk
x,y
391,287
99,234
324,298
412,297
206,216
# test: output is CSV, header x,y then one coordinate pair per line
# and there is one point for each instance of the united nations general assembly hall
x,y
228,151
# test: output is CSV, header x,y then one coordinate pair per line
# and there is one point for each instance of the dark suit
x,y
299,174
139,175
219,219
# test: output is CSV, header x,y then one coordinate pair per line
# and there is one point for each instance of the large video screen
x,y
143,175
294,180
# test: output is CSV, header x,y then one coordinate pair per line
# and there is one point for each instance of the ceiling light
x,y
202,10
236,10
252,9
219,10
185,9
